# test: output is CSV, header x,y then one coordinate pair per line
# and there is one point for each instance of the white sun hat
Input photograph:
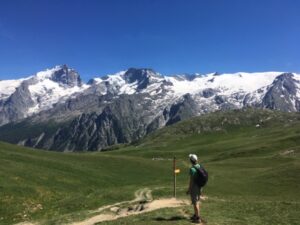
x,y
193,157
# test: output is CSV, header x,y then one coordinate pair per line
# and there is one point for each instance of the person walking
x,y
198,178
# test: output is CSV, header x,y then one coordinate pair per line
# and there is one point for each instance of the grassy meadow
x,y
254,174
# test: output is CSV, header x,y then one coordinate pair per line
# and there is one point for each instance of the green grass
x,y
251,178
64,183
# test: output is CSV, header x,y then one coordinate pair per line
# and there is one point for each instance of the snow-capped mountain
x,y
24,97
125,106
210,92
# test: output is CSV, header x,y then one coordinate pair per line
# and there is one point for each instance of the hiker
x,y
198,178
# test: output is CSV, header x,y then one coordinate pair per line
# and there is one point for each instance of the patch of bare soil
x,y
141,204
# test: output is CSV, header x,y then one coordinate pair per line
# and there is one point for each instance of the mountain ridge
x,y
123,107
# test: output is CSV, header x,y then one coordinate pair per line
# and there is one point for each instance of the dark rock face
x,y
83,103
125,120
219,99
67,77
182,110
141,76
15,107
207,93
282,94
92,82
121,122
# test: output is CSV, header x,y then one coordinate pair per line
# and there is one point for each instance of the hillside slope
x,y
254,174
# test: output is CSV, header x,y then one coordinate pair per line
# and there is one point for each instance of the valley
x,y
254,174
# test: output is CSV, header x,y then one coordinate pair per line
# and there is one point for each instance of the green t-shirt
x,y
193,171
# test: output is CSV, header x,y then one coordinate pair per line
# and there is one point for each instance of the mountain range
x,y
55,110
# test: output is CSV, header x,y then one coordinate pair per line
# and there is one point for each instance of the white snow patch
x,y
47,73
128,88
228,83
46,92
7,87
296,76
97,80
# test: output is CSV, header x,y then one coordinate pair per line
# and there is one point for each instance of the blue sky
x,y
98,37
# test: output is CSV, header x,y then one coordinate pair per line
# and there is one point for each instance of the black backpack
x,y
202,176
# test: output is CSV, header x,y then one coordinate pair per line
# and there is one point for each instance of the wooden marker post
x,y
175,171
174,168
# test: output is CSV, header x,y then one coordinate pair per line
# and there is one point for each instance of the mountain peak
x,y
135,74
67,76
61,74
284,76
142,76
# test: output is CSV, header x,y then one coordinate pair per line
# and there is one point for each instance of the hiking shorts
x,y
195,194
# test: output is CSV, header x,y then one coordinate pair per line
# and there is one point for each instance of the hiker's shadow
x,y
173,218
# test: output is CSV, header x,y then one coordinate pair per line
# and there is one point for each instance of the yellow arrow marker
x,y
177,171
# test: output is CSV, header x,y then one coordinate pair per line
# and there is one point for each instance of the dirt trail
x,y
141,204
140,195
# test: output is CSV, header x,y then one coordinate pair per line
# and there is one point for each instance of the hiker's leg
x,y
196,209
199,208
199,202
195,197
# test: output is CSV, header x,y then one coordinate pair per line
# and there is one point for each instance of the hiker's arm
x,y
190,185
